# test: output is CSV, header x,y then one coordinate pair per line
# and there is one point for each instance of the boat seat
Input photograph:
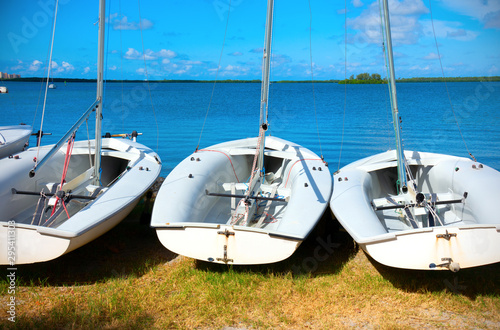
x,y
79,181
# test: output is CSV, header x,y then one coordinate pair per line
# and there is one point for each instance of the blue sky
x,y
183,39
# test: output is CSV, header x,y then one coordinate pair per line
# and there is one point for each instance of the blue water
x,y
180,108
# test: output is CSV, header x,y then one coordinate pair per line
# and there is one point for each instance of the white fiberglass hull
x,y
467,233
13,139
128,170
192,223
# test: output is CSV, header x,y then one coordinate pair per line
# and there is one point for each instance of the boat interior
x,y
431,203
268,197
38,203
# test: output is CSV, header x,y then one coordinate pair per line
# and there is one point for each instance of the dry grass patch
x,y
127,279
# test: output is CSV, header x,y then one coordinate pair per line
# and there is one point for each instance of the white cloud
x,y
67,67
236,54
19,66
431,56
35,65
493,70
64,67
166,53
357,3
420,68
113,68
124,24
165,61
133,54
404,15
487,12
448,30
86,70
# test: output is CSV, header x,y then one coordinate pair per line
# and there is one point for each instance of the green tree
x,y
363,76
376,76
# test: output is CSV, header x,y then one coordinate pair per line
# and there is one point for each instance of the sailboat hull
x,y
13,139
195,214
128,170
467,233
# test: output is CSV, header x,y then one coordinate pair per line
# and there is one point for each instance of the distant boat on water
x,y
3,90
52,86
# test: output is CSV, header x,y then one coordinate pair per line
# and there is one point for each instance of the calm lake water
x,y
180,108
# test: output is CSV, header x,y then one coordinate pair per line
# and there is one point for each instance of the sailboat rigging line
x,y
229,158
88,141
48,76
345,83
387,107
402,188
262,133
121,67
106,57
216,74
147,79
61,142
446,85
67,158
312,78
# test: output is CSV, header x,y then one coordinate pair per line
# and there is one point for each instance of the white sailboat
x,y
417,210
57,198
207,209
13,139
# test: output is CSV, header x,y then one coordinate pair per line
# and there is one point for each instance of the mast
x,y
100,80
264,94
403,185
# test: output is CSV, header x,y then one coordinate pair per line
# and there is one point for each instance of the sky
x,y
320,39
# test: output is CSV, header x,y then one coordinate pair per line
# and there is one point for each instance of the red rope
x,y
300,160
256,156
69,151
229,158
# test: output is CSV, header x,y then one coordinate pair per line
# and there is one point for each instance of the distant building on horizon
x,y
5,75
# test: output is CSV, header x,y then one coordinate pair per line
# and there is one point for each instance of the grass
x,y
127,279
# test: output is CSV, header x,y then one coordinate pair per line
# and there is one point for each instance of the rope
x,y
446,86
67,158
256,156
300,160
229,158
147,78
88,141
48,76
345,83
312,78
216,75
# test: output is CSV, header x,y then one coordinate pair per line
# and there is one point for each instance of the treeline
x,y
450,79
364,78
